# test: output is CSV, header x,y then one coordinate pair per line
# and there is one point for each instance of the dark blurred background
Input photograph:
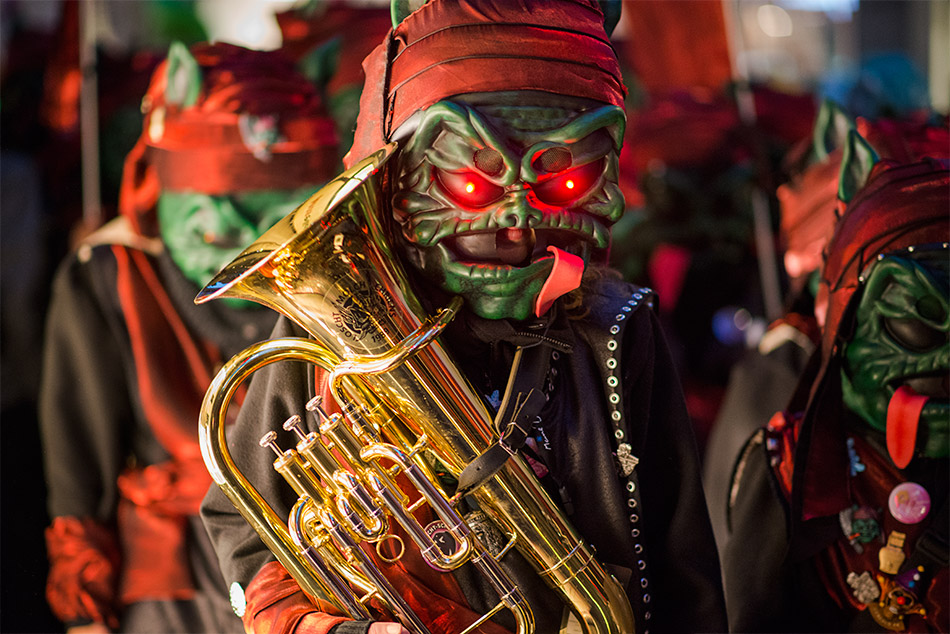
x,y
720,92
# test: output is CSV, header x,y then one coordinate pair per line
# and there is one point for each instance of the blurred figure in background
x,y
232,140
42,213
762,382
838,512
331,39
692,236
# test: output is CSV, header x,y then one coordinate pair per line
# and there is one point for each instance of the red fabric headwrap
x,y
900,206
451,48
258,124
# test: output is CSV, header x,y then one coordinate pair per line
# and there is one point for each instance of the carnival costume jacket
x,y
835,527
612,446
127,360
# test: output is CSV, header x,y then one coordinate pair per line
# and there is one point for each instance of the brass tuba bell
x,y
328,267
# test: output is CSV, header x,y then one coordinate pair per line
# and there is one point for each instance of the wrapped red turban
x,y
445,49
257,124
899,207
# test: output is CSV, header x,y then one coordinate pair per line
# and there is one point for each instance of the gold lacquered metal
x,y
328,267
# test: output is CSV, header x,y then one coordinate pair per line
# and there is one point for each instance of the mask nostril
x,y
517,211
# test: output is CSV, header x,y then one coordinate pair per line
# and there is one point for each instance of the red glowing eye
x,y
565,188
469,188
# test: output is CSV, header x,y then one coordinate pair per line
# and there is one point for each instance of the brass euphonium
x,y
328,267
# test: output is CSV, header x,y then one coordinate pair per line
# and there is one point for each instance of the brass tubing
x,y
326,572
511,597
217,456
393,600
453,522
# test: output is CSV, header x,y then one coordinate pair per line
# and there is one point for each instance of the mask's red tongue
x,y
565,277
903,414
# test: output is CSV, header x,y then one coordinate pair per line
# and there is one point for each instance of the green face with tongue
x,y
203,232
493,189
896,365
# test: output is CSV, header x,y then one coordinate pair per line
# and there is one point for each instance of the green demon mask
x,y
488,182
203,233
899,353
236,139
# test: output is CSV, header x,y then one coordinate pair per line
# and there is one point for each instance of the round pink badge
x,y
909,502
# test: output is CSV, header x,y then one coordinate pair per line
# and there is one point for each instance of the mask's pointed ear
x,y
402,8
320,63
183,77
856,164
611,9
832,126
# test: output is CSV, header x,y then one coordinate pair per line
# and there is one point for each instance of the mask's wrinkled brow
x,y
455,137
